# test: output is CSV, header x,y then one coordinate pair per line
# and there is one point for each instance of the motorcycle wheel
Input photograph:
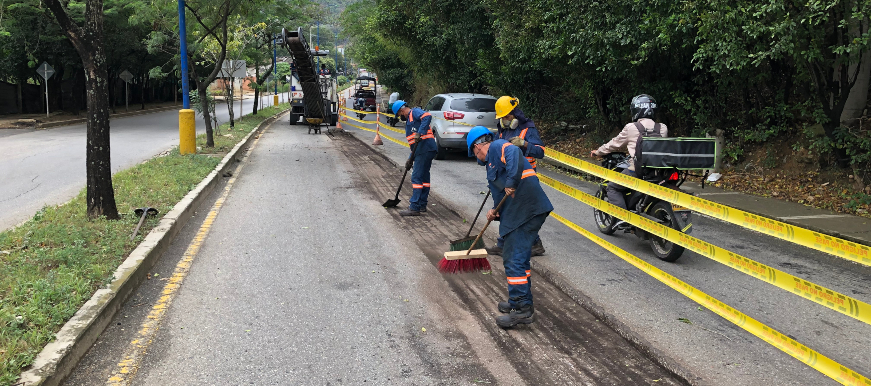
x,y
663,249
605,222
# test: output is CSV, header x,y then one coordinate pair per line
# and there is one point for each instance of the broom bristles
x,y
464,265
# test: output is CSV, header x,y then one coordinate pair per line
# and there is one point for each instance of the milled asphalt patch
x,y
58,359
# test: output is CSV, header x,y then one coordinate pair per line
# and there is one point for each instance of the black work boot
x,y
504,307
537,248
409,212
422,209
522,315
494,250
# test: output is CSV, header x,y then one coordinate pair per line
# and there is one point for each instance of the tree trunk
x,y
202,90
142,93
256,89
88,41
858,98
20,98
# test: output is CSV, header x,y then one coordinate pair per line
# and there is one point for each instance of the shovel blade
x,y
392,203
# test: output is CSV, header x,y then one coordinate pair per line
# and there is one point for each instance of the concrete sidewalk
x,y
846,226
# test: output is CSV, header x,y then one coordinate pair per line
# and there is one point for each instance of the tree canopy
x,y
757,69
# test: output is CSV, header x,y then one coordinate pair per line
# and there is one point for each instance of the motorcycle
x,y
652,208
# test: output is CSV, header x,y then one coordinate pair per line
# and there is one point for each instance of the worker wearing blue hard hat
x,y
514,126
521,217
424,148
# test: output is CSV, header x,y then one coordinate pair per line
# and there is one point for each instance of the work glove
x,y
416,137
517,141
409,163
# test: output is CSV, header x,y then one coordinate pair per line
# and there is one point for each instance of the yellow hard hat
x,y
505,104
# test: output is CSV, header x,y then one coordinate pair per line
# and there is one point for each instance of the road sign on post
x,y
45,71
126,76
234,69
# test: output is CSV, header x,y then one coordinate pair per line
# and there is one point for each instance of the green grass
x,y
52,264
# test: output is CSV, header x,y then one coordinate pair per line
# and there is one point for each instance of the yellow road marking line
x,y
135,351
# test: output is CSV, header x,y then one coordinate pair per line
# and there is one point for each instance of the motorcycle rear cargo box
x,y
680,153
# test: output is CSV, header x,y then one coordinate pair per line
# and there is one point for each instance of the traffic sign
x,y
45,70
126,76
233,68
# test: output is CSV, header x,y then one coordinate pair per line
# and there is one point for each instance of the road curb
x,y
626,332
48,125
58,358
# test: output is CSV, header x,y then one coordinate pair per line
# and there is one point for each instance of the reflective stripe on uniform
x,y
527,173
531,161
416,186
523,133
426,185
518,280
503,152
428,135
528,273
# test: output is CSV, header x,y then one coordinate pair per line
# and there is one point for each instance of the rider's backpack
x,y
656,131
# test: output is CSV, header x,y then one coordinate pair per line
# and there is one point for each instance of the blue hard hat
x,y
474,134
397,105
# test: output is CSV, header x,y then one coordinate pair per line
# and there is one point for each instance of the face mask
x,y
512,124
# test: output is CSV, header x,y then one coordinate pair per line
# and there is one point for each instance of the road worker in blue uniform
x,y
521,217
515,127
419,134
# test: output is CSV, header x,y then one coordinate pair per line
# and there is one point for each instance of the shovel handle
x,y
485,226
413,149
141,220
479,213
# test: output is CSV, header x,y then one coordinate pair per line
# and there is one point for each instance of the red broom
x,y
471,260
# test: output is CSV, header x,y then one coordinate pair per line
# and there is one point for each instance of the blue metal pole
x,y
183,51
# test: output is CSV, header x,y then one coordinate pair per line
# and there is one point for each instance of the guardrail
x,y
816,293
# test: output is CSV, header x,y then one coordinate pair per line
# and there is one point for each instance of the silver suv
x,y
449,110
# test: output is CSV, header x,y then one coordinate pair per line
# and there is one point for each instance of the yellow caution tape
x,y
393,116
358,120
358,111
773,337
809,290
801,236
387,137
391,128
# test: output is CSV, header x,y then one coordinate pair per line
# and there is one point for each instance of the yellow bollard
x,y
187,132
275,100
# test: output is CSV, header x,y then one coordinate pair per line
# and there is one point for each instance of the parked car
x,y
449,110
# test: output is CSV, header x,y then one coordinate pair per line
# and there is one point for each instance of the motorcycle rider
x,y
642,108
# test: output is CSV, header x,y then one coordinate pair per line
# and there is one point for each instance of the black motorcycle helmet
x,y
642,106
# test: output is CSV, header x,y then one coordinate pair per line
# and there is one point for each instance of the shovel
x,y
142,212
395,201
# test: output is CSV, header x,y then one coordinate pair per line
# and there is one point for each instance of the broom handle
x,y
485,226
479,214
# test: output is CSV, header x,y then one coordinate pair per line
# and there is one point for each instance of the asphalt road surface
x,y
47,167
305,279
708,348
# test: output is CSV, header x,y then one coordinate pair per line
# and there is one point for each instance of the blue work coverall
x,y
521,217
534,148
419,122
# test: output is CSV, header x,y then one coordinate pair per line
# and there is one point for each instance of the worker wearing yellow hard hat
x,y
516,128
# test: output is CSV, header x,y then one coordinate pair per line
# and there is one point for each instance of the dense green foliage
x,y
757,69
